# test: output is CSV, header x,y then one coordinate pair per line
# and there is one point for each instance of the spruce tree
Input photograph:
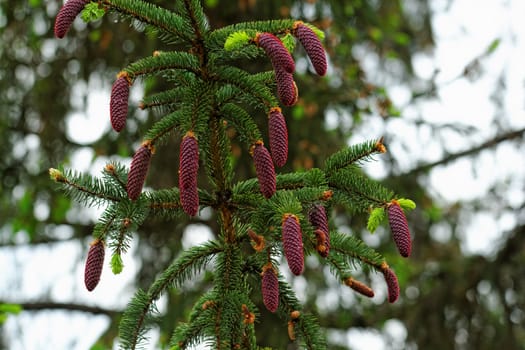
x,y
268,223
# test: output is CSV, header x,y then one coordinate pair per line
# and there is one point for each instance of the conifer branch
x,y
349,246
189,263
85,188
168,22
353,155
163,61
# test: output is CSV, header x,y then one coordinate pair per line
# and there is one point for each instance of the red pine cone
x,y
399,227
270,288
275,50
94,264
278,135
286,87
293,243
318,219
392,284
313,47
118,103
67,14
138,170
188,169
264,169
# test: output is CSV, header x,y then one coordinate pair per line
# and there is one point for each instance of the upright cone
x,y
118,103
188,171
313,47
138,170
293,243
278,135
270,288
264,169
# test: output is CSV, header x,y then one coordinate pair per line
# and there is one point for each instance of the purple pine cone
x,y
278,135
188,171
293,243
275,50
118,103
264,169
67,14
399,227
270,288
313,47
138,170
391,282
286,87
94,264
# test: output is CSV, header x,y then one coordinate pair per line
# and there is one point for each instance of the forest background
x,y
442,81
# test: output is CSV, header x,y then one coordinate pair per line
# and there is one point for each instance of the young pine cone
x,y
293,243
138,170
94,264
264,169
118,103
318,219
188,169
286,87
270,288
275,50
313,47
399,227
278,135
67,14
391,282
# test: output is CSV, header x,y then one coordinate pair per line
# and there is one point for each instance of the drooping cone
x,y
399,227
264,169
286,87
275,50
188,171
391,282
318,219
94,264
359,287
270,287
67,14
278,135
138,170
313,47
293,243
118,103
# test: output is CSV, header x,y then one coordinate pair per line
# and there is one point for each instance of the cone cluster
x,y
94,264
278,136
118,103
293,243
264,169
138,170
270,287
66,15
399,227
188,169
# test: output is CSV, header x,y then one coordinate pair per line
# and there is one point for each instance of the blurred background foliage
x,y
450,300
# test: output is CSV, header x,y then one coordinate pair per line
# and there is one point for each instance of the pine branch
x,y
353,155
173,26
163,61
350,247
134,321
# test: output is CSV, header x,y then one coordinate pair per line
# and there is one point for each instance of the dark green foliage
x,y
207,97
